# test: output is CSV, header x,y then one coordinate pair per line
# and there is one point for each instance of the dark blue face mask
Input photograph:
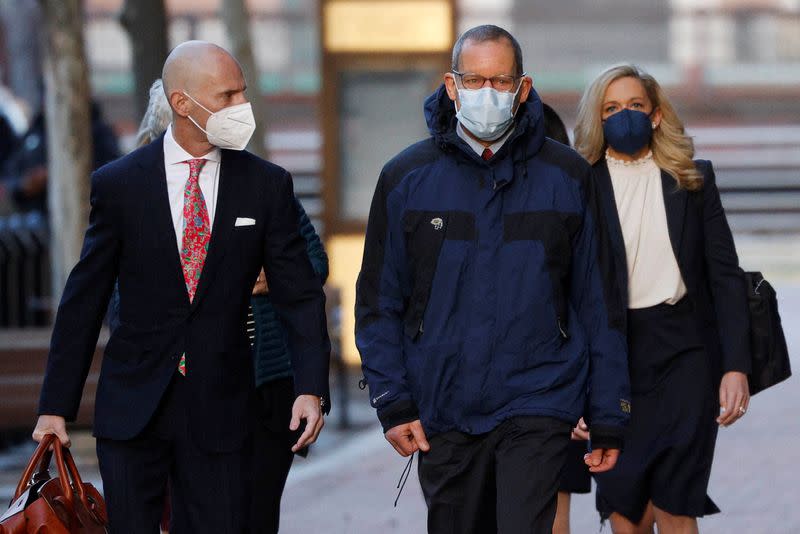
x,y
628,131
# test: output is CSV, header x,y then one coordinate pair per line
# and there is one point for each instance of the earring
x,y
654,125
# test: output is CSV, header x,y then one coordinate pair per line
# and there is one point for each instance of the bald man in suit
x,y
185,224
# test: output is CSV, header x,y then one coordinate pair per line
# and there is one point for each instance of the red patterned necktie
x,y
196,234
487,154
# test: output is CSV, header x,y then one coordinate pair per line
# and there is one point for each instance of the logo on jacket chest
x,y
437,223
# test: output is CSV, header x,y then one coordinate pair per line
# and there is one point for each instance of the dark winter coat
x,y
484,292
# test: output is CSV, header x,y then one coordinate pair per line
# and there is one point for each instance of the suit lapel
x,y
166,248
675,205
224,219
609,206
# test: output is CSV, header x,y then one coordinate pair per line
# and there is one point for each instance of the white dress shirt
x,y
653,273
177,170
479,148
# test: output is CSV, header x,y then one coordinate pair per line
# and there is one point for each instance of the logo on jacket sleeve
x,y
379,397
437,223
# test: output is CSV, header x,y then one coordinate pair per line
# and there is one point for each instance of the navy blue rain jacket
x,y
485,291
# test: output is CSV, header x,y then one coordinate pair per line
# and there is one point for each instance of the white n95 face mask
x,y
230,127
486,112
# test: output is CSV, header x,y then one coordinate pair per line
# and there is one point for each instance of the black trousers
x,y
209,491
504,481
273,453
576,477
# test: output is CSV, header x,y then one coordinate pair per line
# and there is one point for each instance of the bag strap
x,y
63,473
41,459
76,479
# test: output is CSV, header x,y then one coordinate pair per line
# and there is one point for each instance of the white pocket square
x,y
244,221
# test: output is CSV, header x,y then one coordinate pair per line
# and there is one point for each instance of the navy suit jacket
x,y
703,245
131,238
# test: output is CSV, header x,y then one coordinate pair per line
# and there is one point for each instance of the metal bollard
x,y
28,267
39,301
24,270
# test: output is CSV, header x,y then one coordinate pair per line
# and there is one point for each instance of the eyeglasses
x,y
502,82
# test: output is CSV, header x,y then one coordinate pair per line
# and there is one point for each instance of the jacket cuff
x,y
311,375
607,437
397,413
69,417
324,399
743,366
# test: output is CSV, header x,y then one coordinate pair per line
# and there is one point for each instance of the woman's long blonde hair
x,y
673,150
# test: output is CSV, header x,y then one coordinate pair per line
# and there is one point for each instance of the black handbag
x,y
770,356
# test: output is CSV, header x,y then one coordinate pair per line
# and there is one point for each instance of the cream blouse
x,y
653,273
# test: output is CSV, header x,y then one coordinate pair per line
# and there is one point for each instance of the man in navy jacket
x,y
487,317
176,397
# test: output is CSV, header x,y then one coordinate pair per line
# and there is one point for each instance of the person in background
x,y
157,117
687,321
575,478
25,171
8,144
272,361
275,384
8,139
482,310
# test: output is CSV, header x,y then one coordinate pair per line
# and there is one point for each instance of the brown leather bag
x,y
61,505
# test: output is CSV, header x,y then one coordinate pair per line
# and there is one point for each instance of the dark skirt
x,y
669,444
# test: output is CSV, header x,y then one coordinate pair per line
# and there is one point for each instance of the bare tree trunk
x,y
237,23
69,138
146,24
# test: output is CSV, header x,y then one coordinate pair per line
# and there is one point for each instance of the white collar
x,y
174,153
478,147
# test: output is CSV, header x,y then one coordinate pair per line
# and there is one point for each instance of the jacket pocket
x,y
556,231
436,380
124,351
425,233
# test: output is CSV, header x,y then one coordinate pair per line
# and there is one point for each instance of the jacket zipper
x,y
561,329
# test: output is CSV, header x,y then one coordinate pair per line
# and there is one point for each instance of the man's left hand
x,y
307,407
601,460
581,431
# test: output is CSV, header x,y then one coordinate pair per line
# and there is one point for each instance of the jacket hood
x,y
440,116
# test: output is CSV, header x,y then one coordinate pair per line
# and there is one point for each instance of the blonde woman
x,y
687,321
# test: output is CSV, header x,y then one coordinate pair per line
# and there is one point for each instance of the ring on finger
x,y
742,411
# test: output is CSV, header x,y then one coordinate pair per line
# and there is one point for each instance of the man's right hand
x,y
408,438
51,424
601,460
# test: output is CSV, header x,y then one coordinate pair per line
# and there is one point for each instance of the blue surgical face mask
x,y
628,131
486,112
